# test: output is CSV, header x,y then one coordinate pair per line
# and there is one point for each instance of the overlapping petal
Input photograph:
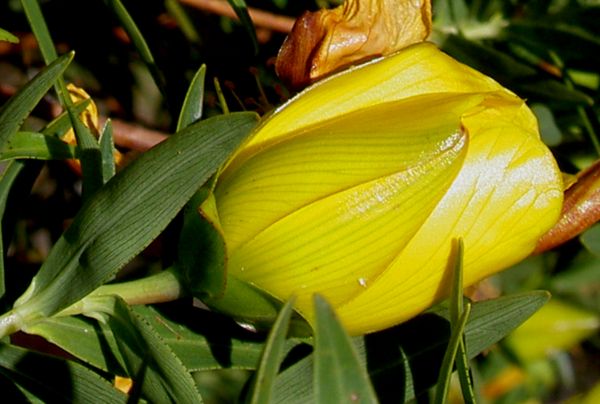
x,y
416,70
508,193
355,188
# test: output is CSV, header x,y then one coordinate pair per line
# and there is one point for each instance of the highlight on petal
x,y
375,177
324,41
508,193
333,156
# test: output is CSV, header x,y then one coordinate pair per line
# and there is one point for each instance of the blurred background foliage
x,y
546,51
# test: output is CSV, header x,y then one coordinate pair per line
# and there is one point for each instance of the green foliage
x,y
546,52
338,375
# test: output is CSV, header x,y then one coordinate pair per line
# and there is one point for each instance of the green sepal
x,y
201,264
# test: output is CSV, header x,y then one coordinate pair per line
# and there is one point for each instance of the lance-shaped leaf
x,y
33,145
270,360
422,341
15,110
241,10
157,372
339,376
138,41
50,379
126,214
7,36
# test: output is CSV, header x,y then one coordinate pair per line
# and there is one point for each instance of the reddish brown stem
x,y
261,19
581,209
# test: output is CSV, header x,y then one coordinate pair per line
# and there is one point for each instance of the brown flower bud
x,y
325,41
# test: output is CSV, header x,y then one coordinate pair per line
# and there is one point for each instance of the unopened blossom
x,y
356,188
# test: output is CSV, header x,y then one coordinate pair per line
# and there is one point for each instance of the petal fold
x,y
508,193
338,244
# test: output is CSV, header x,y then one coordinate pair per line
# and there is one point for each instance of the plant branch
x,y
158,288
260,18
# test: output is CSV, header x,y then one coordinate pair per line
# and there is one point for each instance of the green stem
x,y
164,286
10,323
159,288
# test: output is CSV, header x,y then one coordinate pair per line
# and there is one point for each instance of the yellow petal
x,y
508,193
333,156
89,116
416,70
383,173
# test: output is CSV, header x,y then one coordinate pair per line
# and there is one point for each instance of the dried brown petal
x,y
325,41
581,209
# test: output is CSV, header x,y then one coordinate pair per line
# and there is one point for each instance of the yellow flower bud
x,y
356,187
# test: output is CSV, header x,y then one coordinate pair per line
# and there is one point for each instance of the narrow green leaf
x,y
294,384
456,294
202,265
571,40
12,115
191,110
107,149
272,355
7,178
33,145
184,22
40,29
7,36
14,169
492,320
240,8
126,214
157,372
456,311
221,96
209,342
82,338
138,41
60,125
422,342
338,375
522,78
42,35
89,154
55,380
443,384
16,109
